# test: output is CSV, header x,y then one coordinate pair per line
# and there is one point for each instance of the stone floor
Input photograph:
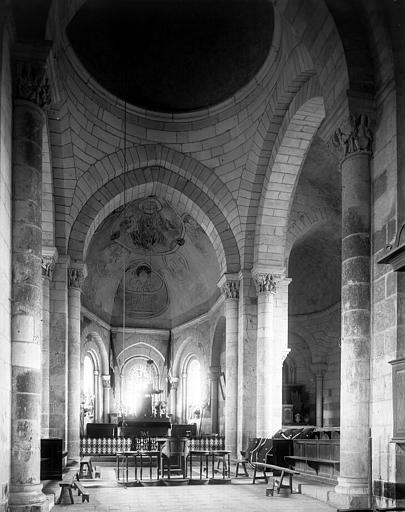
x,y
241,495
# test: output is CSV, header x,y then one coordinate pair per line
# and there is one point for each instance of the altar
x,y
149,426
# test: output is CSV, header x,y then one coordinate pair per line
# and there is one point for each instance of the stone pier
x,y
31,96
355,144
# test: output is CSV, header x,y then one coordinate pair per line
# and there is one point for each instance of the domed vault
x,y
172,56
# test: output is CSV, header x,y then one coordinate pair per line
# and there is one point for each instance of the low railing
x,y
104,445
98,446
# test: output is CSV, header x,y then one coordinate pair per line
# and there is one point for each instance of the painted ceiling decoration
x,y
168,261
145,292
149,224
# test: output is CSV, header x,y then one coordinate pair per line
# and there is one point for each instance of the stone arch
x,y
295,75
187,346
175,197
315,28
307,221
177,169
48,208
150,180
218,341
300,124
140,348
91,340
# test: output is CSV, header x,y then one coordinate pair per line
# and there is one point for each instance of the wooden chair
x,y
260,458
246,456
173,456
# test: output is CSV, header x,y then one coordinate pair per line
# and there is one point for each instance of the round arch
x,y
300,124
218,342
154,164
92,340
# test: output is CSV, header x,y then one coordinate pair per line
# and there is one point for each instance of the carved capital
x,y
76,277
229,285
31,81
106,381
265,282
319,369
353,136
231,289
174,381
48,266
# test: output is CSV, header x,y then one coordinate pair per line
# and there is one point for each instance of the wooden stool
x,y
85,462
66,487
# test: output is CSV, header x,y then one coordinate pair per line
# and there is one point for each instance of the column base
x,y
26,501
350,493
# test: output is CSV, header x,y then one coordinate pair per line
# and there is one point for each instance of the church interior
x,y
205,243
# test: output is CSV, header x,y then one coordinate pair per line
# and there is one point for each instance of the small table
x,y
206,454
138,457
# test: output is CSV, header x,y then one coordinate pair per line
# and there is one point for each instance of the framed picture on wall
x,y
398,388
222,384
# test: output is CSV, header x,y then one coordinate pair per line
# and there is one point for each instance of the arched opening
x,y
193,391
90,401
140,380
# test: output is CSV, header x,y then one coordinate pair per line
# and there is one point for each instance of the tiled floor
x,y
106,496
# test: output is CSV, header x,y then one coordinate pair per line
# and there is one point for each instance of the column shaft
x,y
319,400
265,398
74,373
231,375
214,377
45,358
355,351
25,486
105,379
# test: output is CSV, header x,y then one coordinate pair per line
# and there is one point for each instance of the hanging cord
x,y
124,258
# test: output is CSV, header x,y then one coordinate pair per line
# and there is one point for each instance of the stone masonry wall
x,y
5,250
386,293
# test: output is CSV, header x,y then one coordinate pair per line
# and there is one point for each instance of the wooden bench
x,y
81,491
278,484
312,462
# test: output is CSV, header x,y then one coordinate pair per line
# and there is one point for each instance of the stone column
x,y
214,378
354,139
173,397
184,397
271,352
229,284
49,257
31,94
106,380
76,277
319,370
97,397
